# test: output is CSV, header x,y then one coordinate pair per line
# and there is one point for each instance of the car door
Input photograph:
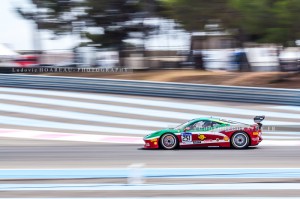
x,y
198,133
203,134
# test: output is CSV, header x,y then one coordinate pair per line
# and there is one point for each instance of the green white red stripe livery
x,y
207,132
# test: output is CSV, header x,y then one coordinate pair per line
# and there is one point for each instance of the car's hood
x,y
160,132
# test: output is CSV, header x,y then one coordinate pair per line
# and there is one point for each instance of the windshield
x,y
182,125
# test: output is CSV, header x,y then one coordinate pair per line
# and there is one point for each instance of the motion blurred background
x,y
82,137
226,35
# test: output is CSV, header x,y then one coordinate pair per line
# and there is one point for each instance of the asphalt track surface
x,y
37,154
18,154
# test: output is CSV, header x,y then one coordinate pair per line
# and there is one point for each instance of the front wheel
x,y
168,141
240,140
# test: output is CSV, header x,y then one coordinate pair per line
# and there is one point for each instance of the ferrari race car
x,y
207,132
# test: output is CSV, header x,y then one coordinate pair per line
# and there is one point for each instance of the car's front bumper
x,y
151,143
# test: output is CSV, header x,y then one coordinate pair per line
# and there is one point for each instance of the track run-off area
x,y
60,144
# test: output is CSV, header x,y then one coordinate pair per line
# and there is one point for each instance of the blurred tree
x,y
194,15
114,19
255,20
269,20
50,15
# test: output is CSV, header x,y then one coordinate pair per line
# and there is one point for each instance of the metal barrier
x,y
156,89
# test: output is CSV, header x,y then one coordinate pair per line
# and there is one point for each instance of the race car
x,y
207,132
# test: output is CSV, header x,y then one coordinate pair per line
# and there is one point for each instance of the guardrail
x,y
156,89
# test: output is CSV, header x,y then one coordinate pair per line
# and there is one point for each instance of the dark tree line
x,y
255,20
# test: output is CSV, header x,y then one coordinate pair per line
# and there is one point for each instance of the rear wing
x,y
258,120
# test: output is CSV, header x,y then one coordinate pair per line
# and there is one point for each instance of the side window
x,y
200,125
208,124
215,124
204,124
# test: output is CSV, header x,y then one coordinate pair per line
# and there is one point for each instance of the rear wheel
x,y
240,140
168,141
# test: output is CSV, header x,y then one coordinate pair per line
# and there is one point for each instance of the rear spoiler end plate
x,y
258,120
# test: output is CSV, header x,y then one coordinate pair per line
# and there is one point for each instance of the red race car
x,y
207,132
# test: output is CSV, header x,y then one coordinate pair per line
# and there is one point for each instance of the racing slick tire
x,y
240,140
168,141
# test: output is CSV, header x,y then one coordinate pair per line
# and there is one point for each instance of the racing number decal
x,y
186,138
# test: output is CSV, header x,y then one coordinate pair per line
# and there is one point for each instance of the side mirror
x,y
186,129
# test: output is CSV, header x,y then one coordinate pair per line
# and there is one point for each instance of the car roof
x,y
224,121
